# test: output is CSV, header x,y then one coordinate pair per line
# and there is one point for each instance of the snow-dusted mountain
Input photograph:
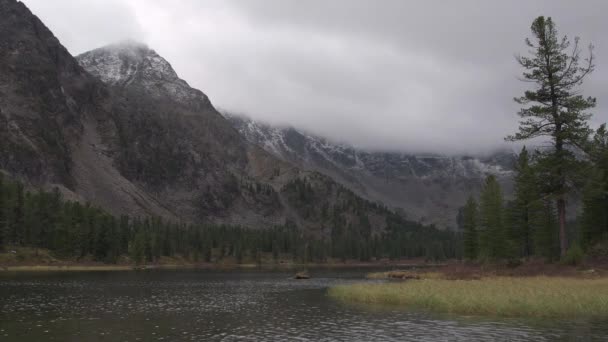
x,y
430,188
134,64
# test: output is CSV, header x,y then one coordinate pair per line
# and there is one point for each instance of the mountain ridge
x,y
143,143
439,183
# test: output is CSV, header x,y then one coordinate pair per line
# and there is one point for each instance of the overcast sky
x,y
432,76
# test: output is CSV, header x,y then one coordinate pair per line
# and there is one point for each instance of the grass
x,y
500,296
17,255
78,268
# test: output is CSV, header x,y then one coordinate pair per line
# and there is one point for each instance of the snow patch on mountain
x,y
275,140
129,62
429,188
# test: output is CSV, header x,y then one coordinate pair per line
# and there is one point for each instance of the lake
x,y
202,305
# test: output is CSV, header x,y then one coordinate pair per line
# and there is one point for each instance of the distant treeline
x,y
76,231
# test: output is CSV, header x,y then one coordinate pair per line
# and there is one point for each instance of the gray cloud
x,y
429,76
85,25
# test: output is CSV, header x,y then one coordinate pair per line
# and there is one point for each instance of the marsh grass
x,y
501,296
75,268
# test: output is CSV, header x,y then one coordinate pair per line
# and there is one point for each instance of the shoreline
x,y
83,267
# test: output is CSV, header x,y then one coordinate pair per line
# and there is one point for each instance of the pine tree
x,y
492,236
555,109
524,204
594,219
2,212
17,222
546,235
471,243
138,247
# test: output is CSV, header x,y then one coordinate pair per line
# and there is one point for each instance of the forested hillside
x,y
427,187
76,231
119,129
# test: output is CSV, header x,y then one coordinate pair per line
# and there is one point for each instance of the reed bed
x,y
500,296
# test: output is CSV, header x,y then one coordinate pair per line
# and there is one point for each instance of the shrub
x,y
599,250
574,256
514,263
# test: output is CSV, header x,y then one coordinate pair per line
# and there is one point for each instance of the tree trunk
x,y
563,238
526,232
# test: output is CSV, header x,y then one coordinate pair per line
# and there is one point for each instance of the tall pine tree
x,y
555,109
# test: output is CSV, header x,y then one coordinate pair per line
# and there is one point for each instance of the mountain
x,y
428,188
134,66
117,127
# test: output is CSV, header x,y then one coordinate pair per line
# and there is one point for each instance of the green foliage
x,y
546,233
524,227
348,218
471,243
2,211
43,220
594,219
492,234
555,109
599,250
574,256
138,247
524,205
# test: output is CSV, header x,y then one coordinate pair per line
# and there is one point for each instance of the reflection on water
x,y
191,305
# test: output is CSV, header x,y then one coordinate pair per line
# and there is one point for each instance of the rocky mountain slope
x,y
121,130
429,188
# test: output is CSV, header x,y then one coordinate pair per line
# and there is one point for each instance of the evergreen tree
x,y
492,236
594,219
524,204
555,109
72,230
546,235
2,212
471,243
17,220
138,247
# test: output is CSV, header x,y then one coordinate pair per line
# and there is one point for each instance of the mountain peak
x,y
119,63
133,65
129,44
128,47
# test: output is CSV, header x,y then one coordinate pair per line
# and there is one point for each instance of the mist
x,y
432,76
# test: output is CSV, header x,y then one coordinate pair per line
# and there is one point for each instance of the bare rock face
x,y
144,144
41,96
120,129
134,65
428,188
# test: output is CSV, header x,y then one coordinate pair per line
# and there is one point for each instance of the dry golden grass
x,y
501,296
76,268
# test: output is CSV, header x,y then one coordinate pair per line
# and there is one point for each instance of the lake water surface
x,y
198,305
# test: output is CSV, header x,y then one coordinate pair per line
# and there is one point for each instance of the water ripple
x,y
241,306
